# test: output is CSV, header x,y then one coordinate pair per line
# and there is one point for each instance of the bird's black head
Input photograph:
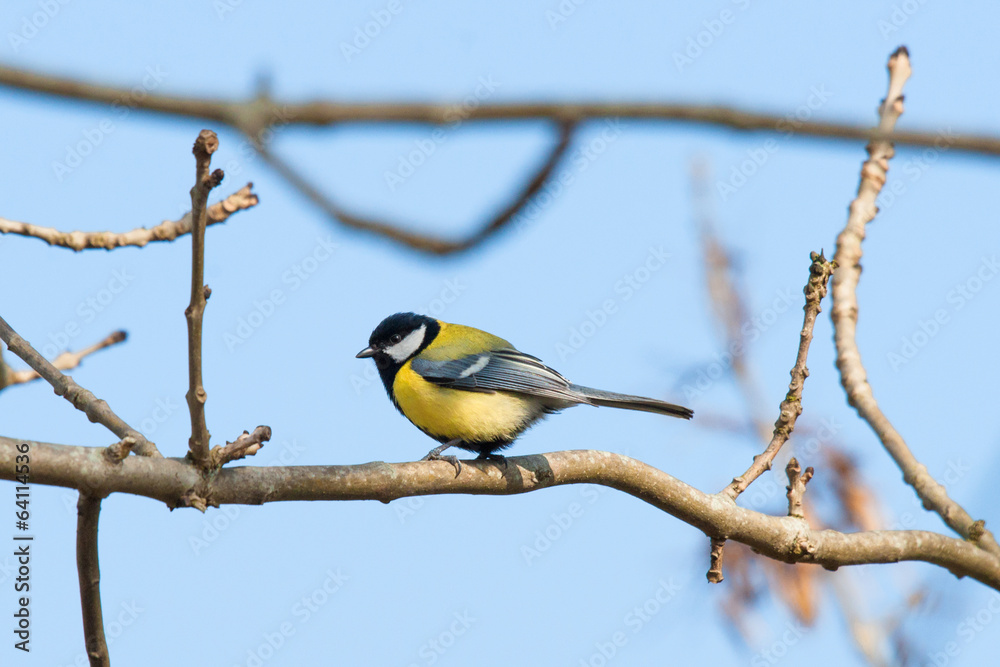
x,y
399,338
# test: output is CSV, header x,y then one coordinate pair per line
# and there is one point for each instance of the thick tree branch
x,y
168,230
782,538
97,410
422,242
259,112
64,362
88,511
206,144
845,319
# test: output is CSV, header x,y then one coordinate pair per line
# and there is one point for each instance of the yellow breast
x,y
467,415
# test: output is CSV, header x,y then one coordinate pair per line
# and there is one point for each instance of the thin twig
x,y
795,586
247,444
714,574
64,362
97,410
844,314
796,488
88,511
168,230
781,538
259,112
119,451
791,406
205,181
399,233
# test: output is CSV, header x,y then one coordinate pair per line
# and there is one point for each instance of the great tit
x,y
470,389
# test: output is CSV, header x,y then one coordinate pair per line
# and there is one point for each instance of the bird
x,y
469,389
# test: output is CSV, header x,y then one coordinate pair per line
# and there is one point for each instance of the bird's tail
x,y
610,399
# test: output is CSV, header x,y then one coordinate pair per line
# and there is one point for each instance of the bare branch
x,y
781,538
796,488
245,445
400,234
206,144
845,319
119,451
259,112
168,230
714,574
64,362
791,406
88,511
796,587
97,410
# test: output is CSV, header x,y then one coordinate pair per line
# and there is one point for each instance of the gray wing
x,y
505,369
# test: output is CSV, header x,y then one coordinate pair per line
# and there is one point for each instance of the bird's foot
x,y
435,455
449,458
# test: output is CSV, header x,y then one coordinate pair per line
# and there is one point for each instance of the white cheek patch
x,y
405,348
476,367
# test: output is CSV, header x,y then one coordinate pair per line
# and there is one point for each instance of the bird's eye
x,y
395,338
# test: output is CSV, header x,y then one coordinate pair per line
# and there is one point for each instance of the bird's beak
x,y
365,353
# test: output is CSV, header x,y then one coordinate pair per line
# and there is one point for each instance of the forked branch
x,y
97,410
260,112
791,407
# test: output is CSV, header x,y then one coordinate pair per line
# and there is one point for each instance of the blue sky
x,y
452,580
